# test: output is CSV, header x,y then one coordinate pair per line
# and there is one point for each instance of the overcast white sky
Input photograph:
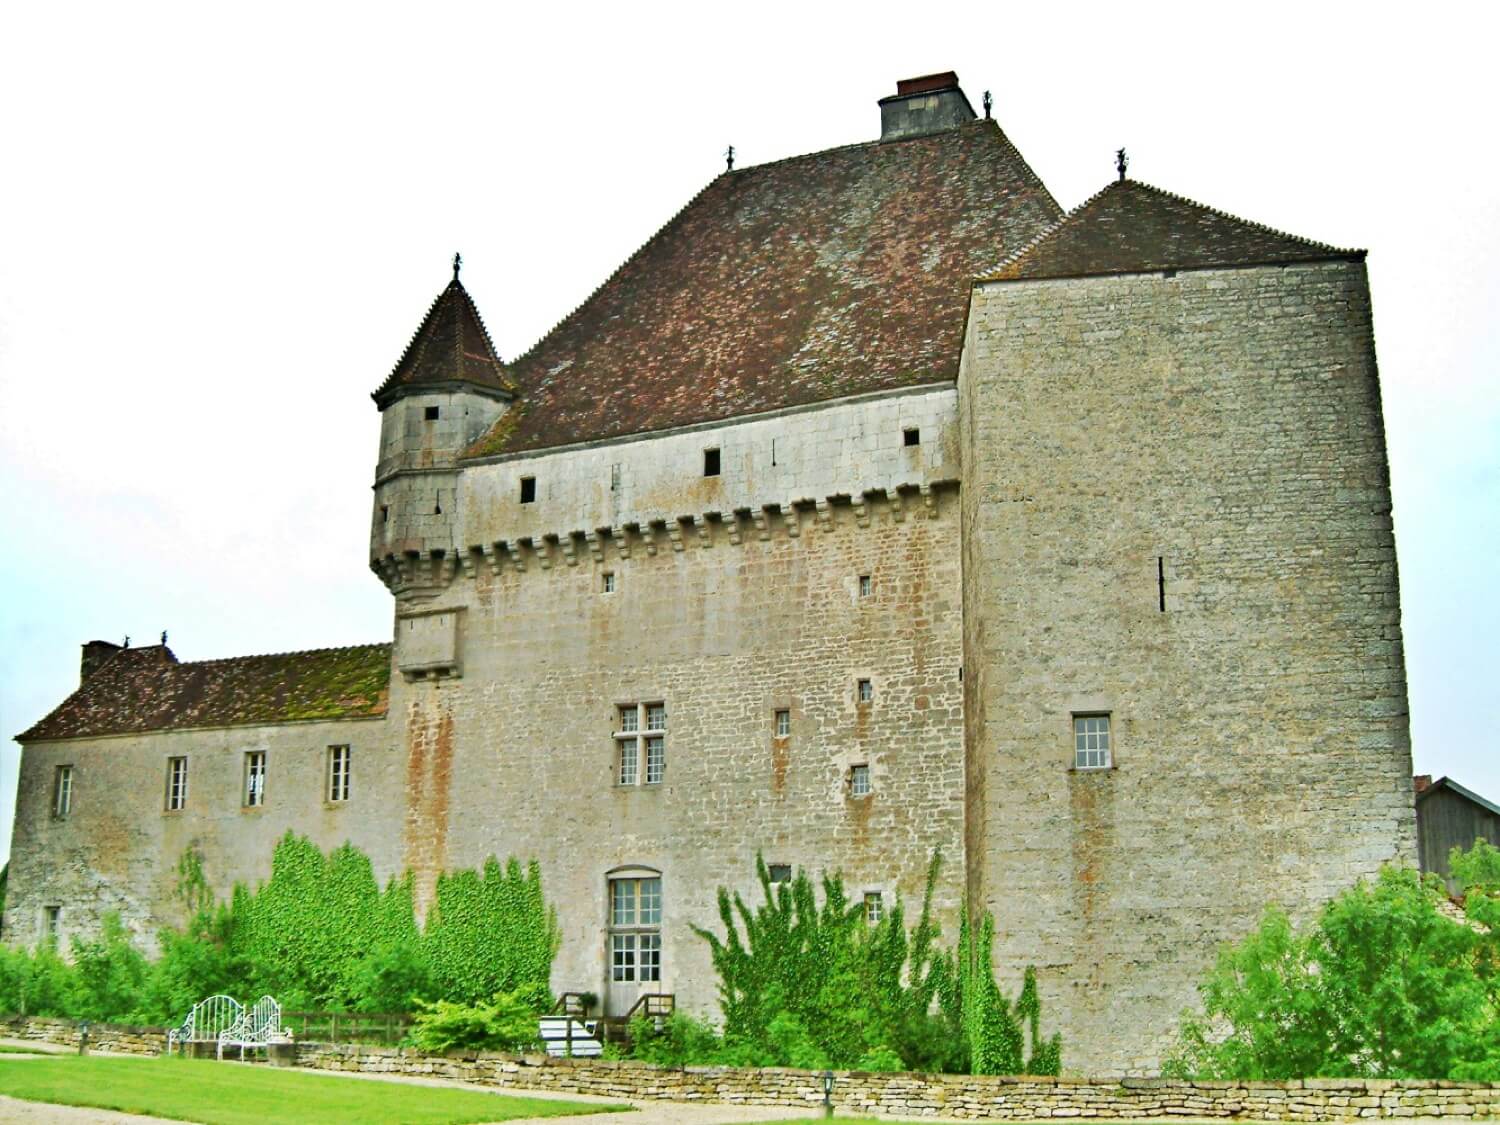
x,y
220,225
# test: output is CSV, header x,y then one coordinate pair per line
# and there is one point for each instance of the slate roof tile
x,y
451,345
798,281
1131,227
148,689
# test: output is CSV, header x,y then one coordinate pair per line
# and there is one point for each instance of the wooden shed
x,y
1450,816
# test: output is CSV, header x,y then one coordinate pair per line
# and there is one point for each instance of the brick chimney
x,y
1422,782
929,104
95,653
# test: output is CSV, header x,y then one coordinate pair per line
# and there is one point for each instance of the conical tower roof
x,y
450,347
1131,227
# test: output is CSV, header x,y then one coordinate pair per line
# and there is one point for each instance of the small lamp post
x,y
83,1038
828,1093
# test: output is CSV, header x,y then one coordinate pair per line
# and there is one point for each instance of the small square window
x,y
874,908
866,691
866,586
912,436
780,872
783,724
1091,750
62,792
430,414
710,462
608,583
859,781
528,490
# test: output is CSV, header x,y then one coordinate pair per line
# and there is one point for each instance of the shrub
x,y
505,1023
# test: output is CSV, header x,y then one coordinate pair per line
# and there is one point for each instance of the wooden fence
x,y
384,1029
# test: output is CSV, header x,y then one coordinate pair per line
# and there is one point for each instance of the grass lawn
x,y
7,1049
226,1094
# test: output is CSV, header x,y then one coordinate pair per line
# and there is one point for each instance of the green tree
x,y
1382,984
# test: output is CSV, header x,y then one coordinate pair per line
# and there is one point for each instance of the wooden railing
x,y
384,1029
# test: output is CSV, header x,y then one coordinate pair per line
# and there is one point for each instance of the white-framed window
x,y
51,924
176,784
340,759
783,726
62,792
866,586
1091,749
874,908
641,743
866,691
255,778
635,929
607,582
859,780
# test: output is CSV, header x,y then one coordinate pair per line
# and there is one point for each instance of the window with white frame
x,y
866,586
176,784
859,780
783,724
62,792
874,908
255,778
866,691
635,929
607,582
641,743
339,762
1091,742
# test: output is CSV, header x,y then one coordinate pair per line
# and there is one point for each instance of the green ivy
x,y
491,931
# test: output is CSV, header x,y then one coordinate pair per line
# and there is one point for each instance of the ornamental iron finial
x,y
988,101
729,159
1121,163
458,261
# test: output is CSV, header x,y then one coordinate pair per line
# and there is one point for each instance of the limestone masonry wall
x,y
1177,514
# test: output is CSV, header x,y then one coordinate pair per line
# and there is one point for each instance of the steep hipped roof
x,y
450,346
803,280
1131,227
148,689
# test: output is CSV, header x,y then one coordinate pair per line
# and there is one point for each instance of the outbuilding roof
x,y
149,689
1131,227
803,280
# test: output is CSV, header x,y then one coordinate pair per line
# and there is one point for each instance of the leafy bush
x,y
1382,984
507,1022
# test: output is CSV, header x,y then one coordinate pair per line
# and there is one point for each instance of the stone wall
x,y
935,1095
122,1039
1176,513
119,846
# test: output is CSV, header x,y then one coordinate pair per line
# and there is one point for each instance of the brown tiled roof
x,y
793,282
451,345
148,689
1131,227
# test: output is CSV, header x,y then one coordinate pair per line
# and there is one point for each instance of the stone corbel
x,y
596,548
494,553
762,524
674,532
648,537
732,525
793,518
929,501
861,505
569,548
513,550
824,514
622,541
539,549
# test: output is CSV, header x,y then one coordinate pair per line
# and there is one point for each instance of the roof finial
x,y
1121,163
163,638
729,159
458,260
127,641
988,101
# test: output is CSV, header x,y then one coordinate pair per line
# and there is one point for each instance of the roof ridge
x,y
292,652
1313,242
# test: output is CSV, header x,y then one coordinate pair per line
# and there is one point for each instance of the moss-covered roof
x,y
149,689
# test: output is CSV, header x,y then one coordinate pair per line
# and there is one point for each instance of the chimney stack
x,y
95,653
929,104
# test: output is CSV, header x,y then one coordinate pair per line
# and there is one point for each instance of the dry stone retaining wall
x,y
120,1038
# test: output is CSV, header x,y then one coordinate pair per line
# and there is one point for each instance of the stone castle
x,y
874,506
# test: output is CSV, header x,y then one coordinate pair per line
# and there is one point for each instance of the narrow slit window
x,y
255,779
528,490
710,462
62,792
385,513
339,762
614,478
911,436
1161,584
52,924
176,784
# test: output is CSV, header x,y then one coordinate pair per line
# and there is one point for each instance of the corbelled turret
x,y
448,388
